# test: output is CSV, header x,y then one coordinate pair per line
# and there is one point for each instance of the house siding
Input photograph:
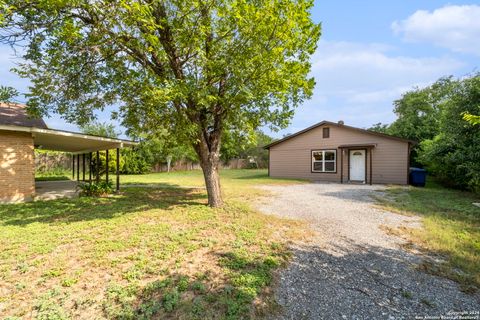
x,y
17,166
292,158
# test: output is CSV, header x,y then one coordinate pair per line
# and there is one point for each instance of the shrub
x,y
95,189
453,155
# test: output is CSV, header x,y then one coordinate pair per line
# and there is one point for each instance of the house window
x,y
324,160
326,133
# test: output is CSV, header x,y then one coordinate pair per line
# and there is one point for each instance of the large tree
x,y
196,68
419,110
453,155
418,113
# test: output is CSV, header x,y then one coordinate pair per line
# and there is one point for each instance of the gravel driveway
x,y
352,269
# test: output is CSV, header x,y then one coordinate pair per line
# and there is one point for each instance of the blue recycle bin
x,y
418,177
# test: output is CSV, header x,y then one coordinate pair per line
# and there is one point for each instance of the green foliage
x,y
195,69
52,165
419,111
137,160
54,174
453,155
170,300
102,129
49,306
473,119
418,114
443,119
154,150
246,147
95,189
7,94
379,127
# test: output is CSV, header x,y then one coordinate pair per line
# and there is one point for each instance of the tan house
x,y
20,135
335,152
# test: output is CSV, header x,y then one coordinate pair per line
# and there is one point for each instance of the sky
x,y
370,52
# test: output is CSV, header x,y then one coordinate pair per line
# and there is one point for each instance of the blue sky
x,y
369,53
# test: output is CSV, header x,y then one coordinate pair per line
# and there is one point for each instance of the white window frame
x,y
323,161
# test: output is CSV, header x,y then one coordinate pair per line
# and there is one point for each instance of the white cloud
x,y
455,27
358,82
352,66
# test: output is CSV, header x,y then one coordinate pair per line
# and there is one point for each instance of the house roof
x,y
14,117
15,114
329,123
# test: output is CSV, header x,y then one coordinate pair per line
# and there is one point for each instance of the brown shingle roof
x,y
15,114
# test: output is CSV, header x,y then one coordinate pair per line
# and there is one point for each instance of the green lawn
x,y
152,252
53,175
451,228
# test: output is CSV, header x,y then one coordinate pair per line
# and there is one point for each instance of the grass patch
x,y
51,178
451,228
150,252
56,174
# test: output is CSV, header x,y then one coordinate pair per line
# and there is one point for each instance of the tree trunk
x,y
207,147
212,181
209,157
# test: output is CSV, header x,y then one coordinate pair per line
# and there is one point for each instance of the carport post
x,y
106,165
83,166
78,167
90,167
118,169
97,165
73,166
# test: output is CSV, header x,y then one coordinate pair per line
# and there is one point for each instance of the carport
x,y
20,135
83,148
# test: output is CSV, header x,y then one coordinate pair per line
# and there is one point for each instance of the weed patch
x,y
451,229
150,252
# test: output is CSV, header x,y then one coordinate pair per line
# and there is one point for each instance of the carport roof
x,y
14,117
67,141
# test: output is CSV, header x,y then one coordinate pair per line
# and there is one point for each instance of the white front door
x,y
357,165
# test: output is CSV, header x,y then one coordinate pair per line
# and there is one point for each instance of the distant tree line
x,y
445,120
165,149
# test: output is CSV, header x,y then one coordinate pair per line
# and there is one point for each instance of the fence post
x,y
118,169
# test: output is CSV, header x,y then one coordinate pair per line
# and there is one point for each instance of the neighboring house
x,y
329,151
20,135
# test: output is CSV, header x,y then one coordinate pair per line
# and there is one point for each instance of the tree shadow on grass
x,y
131,200
202,296
356,282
